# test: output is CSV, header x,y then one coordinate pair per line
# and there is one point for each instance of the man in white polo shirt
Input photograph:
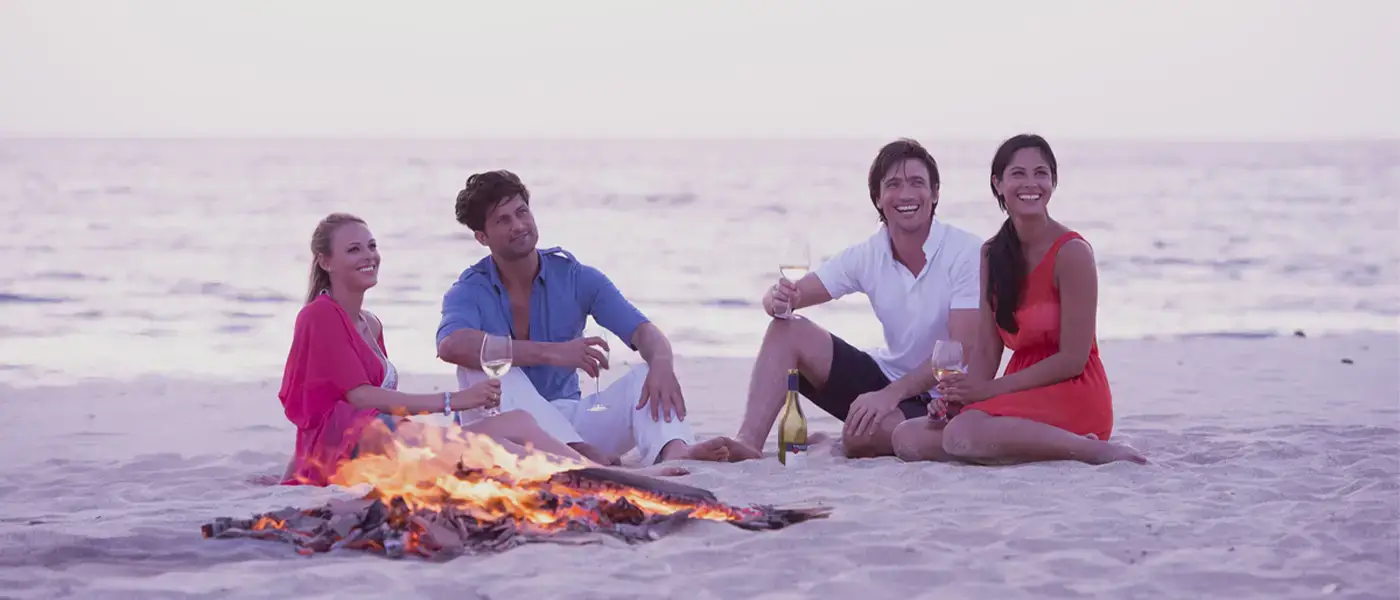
x,y
922,279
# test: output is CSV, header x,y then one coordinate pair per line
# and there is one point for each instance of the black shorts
x,y
853,373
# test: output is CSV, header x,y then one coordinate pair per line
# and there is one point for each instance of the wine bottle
x,y
792,427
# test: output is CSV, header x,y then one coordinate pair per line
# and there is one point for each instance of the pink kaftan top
x,y
328,358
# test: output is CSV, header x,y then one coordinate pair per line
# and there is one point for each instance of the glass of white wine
x,y
793,264
495,359
602,334
947,360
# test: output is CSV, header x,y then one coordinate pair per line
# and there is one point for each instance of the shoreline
x,y
409,374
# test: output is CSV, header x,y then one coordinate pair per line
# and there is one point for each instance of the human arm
x,y
662,390
1077,279
962,328
868,408
838,276
484,394
461,330
808,291
329,362
462,347
985,357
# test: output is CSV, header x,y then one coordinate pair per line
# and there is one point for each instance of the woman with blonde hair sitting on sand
x,y
339,387
1040,296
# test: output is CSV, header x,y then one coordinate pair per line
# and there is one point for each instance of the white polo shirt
x,y
912,309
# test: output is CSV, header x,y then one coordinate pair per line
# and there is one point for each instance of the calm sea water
x,y
126,257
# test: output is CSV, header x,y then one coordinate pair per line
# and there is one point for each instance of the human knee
x,y
634,379
782,331
960,437
513,422
906,440
860,447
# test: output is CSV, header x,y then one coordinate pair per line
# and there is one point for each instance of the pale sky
x,y
1168,69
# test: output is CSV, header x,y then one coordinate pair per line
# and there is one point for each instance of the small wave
x,y
244,315
67,276
1174,261
1220,335
773,208
8,298
409,302
263,297
668,199
681,199
729,303
222,290
708,302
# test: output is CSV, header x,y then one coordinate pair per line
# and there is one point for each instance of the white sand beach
x,y
1275,474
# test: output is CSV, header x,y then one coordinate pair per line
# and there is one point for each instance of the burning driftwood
x,y
574,506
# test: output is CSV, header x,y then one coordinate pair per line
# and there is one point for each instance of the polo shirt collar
x,y
932,243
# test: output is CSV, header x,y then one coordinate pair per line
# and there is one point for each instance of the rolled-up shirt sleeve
x,y
460,310
609,308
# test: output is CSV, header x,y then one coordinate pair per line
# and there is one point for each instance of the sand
x,y
1274,475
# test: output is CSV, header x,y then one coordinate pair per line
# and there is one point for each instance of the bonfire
x,y
438,494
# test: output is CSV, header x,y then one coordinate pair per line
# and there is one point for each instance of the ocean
x,y
125,258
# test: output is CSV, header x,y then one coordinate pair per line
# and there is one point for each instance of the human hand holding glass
x,y
947,361
602,334
793,264
496,359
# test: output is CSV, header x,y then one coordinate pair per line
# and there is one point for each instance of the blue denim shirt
x,y
565,293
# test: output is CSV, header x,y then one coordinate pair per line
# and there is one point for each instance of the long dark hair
x,y
1006,265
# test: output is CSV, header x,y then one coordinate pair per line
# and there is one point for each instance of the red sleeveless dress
x,y
1082,404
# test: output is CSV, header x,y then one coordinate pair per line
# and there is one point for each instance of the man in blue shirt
x,y
541,300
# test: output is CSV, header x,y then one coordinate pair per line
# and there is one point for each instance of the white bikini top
x,y
391,375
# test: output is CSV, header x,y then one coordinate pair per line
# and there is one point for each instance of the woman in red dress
x,y
1040,297
339,388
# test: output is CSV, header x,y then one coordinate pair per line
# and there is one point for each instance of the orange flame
x,y
421,466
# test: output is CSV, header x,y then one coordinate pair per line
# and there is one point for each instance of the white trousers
x,y
615,431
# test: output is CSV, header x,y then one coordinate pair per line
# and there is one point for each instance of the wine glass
x,y
600,333
794,263
495,359
947,360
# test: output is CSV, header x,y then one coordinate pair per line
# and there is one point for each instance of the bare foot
x,y
661,470
1113,452
739,451
719,449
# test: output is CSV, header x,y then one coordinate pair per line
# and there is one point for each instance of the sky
x,y
1099,69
